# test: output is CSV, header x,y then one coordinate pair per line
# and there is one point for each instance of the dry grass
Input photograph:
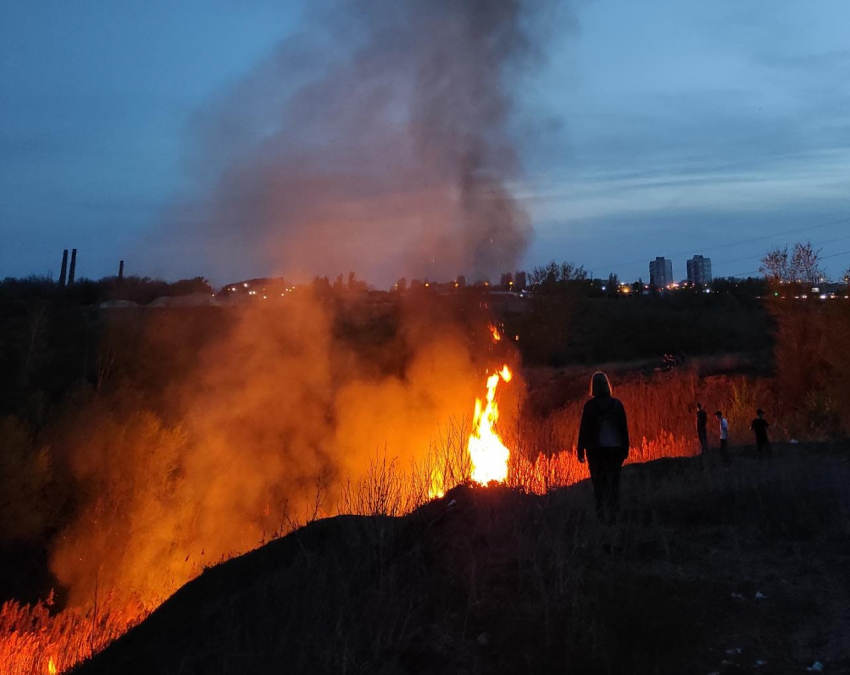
x,y
662,426
33,636
508,582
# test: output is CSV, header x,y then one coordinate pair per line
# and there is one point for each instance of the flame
x,y
488,455
495,333
51,666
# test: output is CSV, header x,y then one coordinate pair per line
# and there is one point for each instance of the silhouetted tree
x,y
775,265
805,264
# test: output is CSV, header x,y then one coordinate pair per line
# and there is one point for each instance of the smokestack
x,y
73,269
121,271
64,267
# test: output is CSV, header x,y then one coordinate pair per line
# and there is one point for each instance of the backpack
x,y
609,432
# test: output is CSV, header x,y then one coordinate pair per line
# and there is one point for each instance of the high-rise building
x,y
661,272
699,270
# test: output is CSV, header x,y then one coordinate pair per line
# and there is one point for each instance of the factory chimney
x,y
73,270
64,267
121,271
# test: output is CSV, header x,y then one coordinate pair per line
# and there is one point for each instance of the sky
x,y
652,128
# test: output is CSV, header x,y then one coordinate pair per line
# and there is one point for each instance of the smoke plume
x,y
376,140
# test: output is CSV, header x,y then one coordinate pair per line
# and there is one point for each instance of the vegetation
x,y
104,382
709,570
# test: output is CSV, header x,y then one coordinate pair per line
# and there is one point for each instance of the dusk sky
x,y
653,128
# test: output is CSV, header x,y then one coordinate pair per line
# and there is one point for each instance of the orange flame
x,y
488,455
51,666
495,333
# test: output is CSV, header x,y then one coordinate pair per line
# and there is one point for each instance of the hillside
x,y
712,569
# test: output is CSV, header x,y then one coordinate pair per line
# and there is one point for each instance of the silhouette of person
x,y
724,436
760,426
603,438
702,427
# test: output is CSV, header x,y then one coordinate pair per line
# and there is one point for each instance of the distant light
x,y
245,285
603,288
823,296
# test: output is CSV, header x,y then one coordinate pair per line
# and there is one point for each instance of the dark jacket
x,y
591,417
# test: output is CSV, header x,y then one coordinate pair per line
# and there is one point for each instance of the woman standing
x,y
603,438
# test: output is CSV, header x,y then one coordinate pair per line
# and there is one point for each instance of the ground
x,y
711,569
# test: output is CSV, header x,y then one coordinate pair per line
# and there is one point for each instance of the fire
x,y
51,666
488,455
495,333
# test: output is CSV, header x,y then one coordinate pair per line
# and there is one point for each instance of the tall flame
x,y
488,455
51,666
497,336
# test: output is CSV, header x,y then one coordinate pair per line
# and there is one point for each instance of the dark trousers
x,y
703,439
724,451
763,450
605,465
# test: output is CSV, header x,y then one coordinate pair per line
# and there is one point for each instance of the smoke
x,y
278,408
378,140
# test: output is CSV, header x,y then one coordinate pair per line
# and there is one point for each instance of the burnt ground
x,y
712,569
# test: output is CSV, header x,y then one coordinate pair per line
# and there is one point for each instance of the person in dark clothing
x,y
760,426
603,438
702,427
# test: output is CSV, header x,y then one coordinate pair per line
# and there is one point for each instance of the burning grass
x,y
34,639
542,459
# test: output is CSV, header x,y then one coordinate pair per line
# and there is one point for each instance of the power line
x,y
823,257
749,257
727,244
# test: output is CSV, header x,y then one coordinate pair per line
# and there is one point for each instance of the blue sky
x,y
655,128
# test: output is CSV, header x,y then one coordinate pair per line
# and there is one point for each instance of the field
x,y
194,437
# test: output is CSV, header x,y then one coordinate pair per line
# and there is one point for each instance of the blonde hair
x,y
600,385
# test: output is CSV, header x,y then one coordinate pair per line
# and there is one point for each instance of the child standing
x,y
760,426
724,437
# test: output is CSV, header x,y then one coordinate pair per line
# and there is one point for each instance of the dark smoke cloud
x,y
377,140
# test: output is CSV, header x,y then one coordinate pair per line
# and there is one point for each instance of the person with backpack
x,y
702,427
724,437
603,439
760,426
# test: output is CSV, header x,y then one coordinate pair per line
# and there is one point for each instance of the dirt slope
x,y
493,581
